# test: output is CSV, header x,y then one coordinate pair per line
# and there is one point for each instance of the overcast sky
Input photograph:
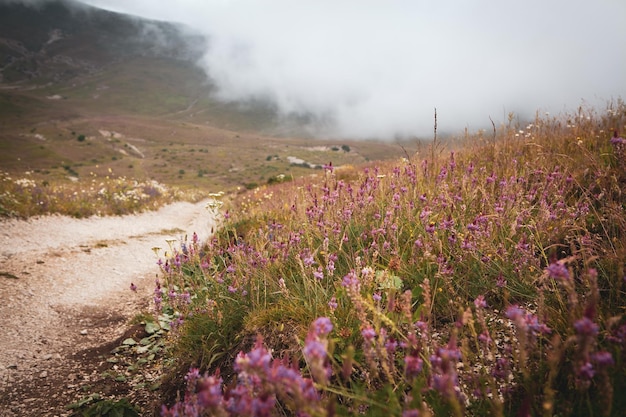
x,y
380,67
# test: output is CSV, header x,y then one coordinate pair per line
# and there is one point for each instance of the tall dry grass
x,y
488,280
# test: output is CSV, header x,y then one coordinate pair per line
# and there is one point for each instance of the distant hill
x,y
63,59
58,40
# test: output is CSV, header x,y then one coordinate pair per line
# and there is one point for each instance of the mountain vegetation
x,y
481,275
485,280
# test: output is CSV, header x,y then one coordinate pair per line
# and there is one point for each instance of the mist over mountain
x,y
372,69
106,62
376,68
56,40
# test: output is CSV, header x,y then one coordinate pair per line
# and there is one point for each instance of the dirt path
x,y
64,292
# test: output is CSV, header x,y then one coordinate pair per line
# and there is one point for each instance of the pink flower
x,y
480,302
368,333
322,326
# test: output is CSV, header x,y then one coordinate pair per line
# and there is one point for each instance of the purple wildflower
x,y
514,312
332,304
330,266
616,139
586,327
210,392
322,326
314,350
351,281
603,358
558,272
480,302
413,365
368,333
308,260
319,274
586,371
186,297
501,281
391,346
258,358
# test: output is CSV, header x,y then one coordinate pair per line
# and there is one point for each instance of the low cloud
x,y
377,68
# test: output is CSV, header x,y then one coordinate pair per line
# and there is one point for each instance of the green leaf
x,y
129,342
388,281
142,349
152,327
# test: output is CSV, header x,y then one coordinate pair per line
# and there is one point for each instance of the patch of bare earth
x,y
65,303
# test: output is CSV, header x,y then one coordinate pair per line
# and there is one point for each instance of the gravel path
x,y
64,288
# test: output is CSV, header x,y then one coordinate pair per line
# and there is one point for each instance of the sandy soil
x,y
65,297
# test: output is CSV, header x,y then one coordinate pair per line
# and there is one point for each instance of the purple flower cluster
x,y
315,350
527,323
444,374
262,381
619,147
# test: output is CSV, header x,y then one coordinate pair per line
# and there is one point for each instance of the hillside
x,y
87,91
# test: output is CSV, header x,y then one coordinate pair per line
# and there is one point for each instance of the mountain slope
x,y
61,39
69,71
90,61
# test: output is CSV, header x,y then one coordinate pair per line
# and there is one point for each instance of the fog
x,y
379,68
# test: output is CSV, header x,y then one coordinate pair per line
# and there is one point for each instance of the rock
x,y
47,357
12,366
83,332
43,374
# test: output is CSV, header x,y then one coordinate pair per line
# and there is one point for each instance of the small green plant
x,y
81,138
111,408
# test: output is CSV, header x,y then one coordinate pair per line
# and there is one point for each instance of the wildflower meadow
x,y
481,277
29,195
